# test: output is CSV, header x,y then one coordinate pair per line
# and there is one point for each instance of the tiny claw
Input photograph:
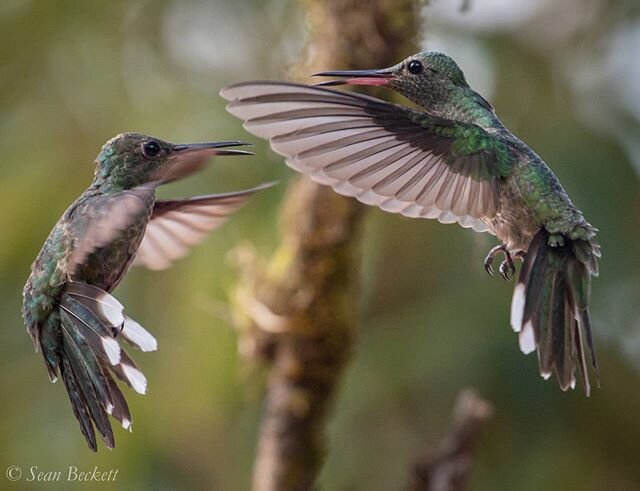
x,y
488,268
488,261
504,270
507,269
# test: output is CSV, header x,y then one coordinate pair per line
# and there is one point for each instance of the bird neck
x,y
457,103
117,172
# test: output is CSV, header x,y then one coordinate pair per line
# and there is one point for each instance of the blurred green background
x,y
564,76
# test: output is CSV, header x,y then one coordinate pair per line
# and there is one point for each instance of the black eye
x,y
151,148
415,67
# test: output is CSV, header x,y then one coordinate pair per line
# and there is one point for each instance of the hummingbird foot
x,y
507,268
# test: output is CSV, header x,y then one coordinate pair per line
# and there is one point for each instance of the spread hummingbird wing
x,y
398,159
178,225
99,220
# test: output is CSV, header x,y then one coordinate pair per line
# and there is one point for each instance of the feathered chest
x,y
107,265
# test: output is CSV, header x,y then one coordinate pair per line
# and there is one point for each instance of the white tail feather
x,y
527,339
111,309
138,335
517,307
136,378
112,349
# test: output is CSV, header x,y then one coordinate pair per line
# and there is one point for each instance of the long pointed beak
x,y
357,77
209,149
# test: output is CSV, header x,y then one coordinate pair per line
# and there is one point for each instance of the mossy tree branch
x,y
299,309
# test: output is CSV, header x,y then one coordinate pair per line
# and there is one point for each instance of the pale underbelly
x,y
516,223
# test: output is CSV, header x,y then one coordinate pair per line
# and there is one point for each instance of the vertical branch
x,y
298,309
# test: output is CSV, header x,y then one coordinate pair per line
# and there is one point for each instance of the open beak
x,y
357,77
186,159
208,149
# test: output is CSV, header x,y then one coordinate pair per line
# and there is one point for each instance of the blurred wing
x,y
178,225
183,167
383,154
98,220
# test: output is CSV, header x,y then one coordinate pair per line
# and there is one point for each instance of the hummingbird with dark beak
x,y
452,160
67,304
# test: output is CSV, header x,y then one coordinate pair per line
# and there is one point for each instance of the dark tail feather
x,y
91,385
87,353
120,406
48,339
550,307
78,404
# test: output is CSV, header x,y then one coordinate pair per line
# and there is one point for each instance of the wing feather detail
x,y
178,225
383,154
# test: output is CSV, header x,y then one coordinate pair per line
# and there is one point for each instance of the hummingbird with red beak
x,y
117,222
453,160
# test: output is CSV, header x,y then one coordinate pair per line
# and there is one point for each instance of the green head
x,y
132,159
430,79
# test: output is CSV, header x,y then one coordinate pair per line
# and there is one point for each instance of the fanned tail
x,y
550,307
88,353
